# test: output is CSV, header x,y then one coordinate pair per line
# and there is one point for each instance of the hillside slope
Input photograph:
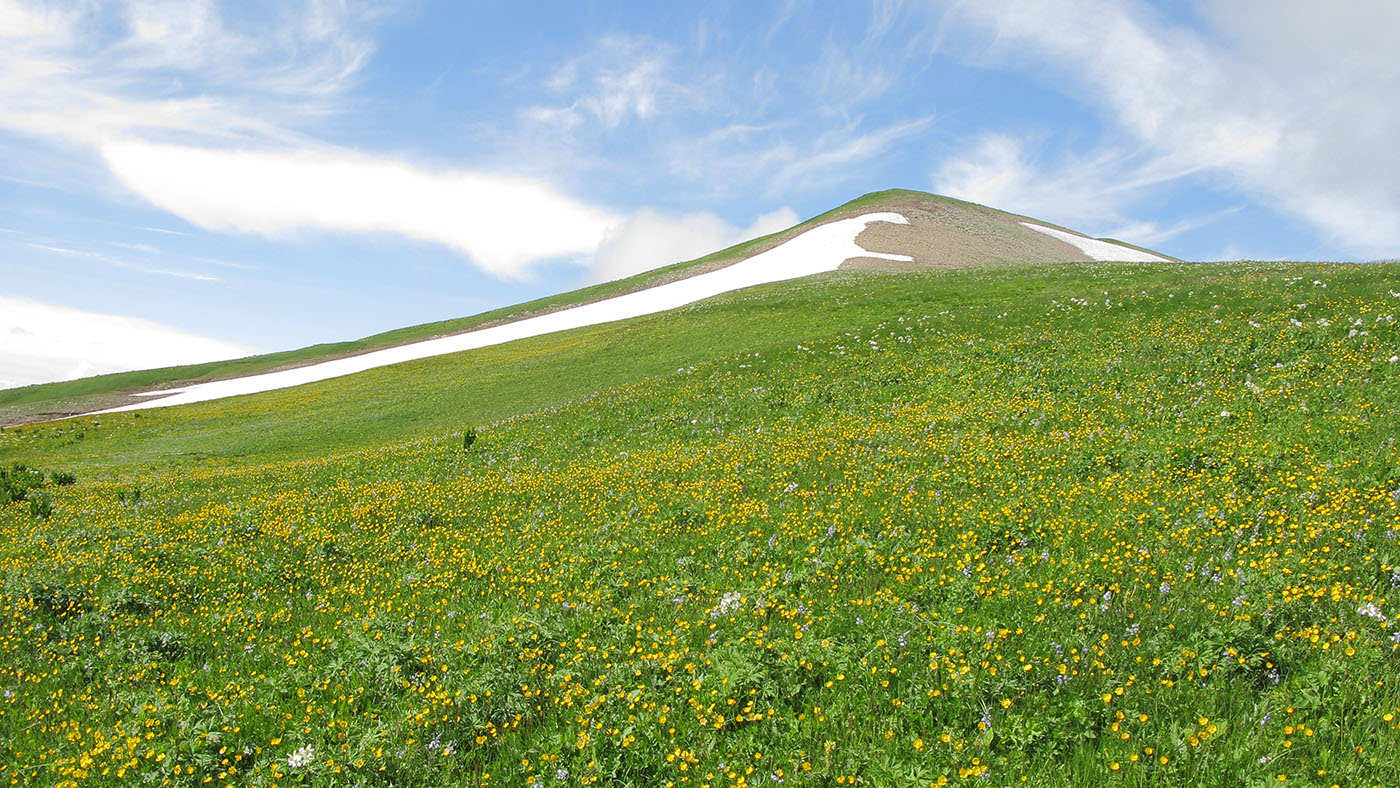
x,y
451,393
1076,524
941,233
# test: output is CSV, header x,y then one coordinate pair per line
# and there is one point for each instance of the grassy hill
x,y
444,394
1068,524
45,401
967,234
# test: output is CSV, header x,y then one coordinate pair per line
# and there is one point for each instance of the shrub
x,y
166,645
16,482
40,504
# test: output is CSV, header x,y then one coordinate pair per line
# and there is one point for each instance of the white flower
x,y
727,604
300,757
1370,610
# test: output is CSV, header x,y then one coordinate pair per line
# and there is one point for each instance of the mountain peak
x,y
945,232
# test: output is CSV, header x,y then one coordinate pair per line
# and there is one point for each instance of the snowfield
x,y
1100,250
820,249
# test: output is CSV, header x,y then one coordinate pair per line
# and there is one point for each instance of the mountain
x,y
891,230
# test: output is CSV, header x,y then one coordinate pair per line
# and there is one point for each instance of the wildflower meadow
x,y
1095,525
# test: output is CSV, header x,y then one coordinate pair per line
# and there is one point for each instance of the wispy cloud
x,y
743,122
86,73
201,111
617,80
1289,102
1091,194
117,262
1005,172
841,149
845,77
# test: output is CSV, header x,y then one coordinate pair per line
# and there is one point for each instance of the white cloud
x,y
1291,102
503,223
992,172
19,23
40,343
651,239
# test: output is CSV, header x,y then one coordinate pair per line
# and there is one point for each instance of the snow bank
x,y
822,248
1100,250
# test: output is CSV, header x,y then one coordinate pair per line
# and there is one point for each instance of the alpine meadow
x,y
1046,521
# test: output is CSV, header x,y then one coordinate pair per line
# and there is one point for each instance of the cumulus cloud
x,y
502,223
40,343
1290,102
650,239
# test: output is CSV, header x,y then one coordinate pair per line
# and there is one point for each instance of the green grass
x,y
864,528
441,394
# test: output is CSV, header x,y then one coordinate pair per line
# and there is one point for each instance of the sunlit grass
x,y
1073,525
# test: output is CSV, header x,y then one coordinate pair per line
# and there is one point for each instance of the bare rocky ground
x,y
949,235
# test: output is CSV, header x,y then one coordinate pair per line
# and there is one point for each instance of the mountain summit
x,y
943,232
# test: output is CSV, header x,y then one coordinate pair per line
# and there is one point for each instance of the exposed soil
x,y
947,235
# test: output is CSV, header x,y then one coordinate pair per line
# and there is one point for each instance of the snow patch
x,y
1100,250
820,249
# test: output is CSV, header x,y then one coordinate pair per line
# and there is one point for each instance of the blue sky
x,y
187,180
